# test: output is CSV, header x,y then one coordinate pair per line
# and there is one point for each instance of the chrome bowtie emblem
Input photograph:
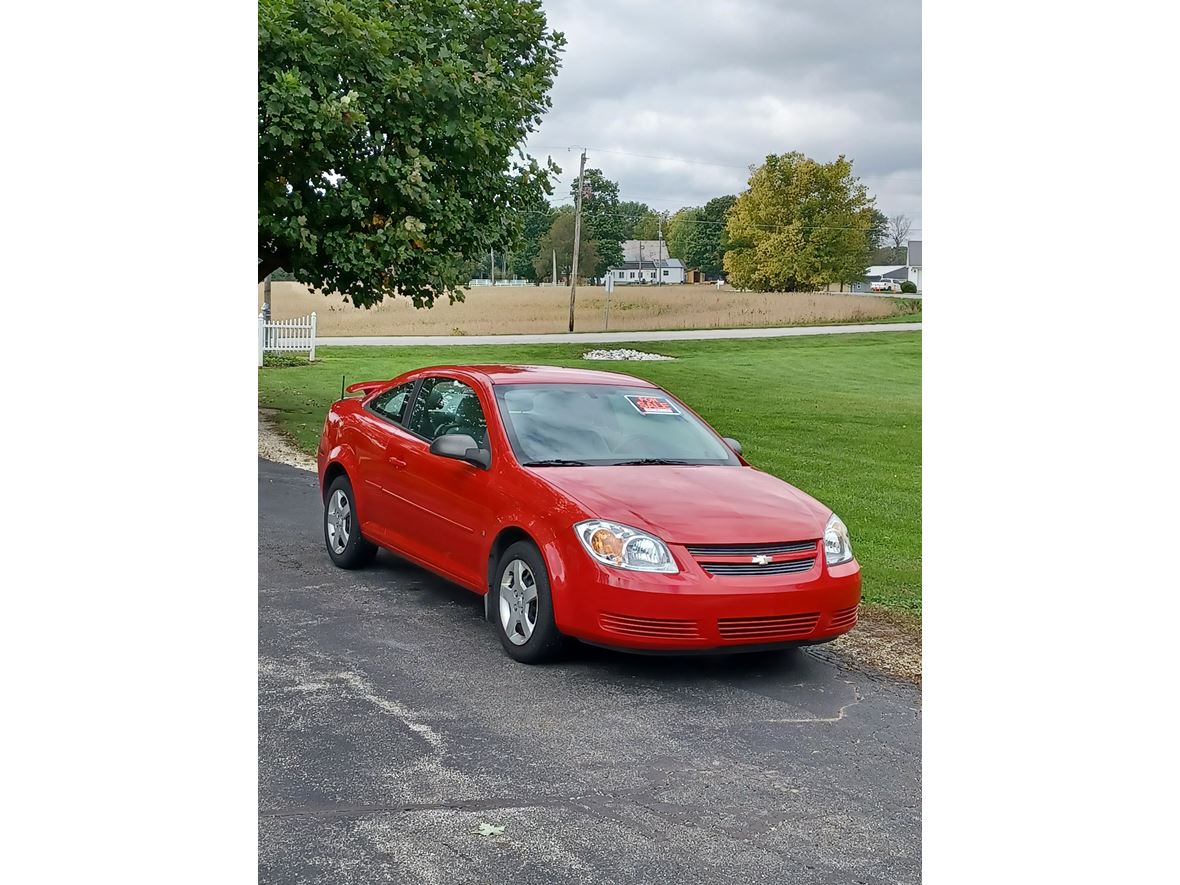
x,y
761,559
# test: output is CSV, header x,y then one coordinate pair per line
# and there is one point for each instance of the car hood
x,y
694,505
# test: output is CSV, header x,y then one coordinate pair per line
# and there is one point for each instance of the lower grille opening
x,y
660,628
845,617
768,628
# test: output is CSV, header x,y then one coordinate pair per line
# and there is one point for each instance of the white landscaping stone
x,y
623,354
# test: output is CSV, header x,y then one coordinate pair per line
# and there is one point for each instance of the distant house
x,y
645,250
914,262
670,270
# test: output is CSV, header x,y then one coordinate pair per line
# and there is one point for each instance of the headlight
x,y
621,546
837,547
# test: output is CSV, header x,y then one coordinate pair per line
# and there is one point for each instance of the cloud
x,y
727,82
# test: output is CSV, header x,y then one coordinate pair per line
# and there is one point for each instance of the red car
x,y
582,504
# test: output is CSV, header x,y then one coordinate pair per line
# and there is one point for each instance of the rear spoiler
x,y
365,387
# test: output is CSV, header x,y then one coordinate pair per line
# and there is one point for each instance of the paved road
x,y
391,726
607,337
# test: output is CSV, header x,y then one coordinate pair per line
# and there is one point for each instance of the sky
x,y
724,83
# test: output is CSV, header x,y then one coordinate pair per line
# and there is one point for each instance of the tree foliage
x,y
708,240
602,220
388,138
638,220
799,225
560,237
538,219
679,231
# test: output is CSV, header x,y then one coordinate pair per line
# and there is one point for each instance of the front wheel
x,y
342,531
522,606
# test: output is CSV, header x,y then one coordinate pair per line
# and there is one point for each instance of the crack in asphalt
x,y
820,719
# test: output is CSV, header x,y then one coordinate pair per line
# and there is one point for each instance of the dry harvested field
x,y
538,310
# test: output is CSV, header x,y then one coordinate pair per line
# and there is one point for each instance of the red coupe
x,y
582,504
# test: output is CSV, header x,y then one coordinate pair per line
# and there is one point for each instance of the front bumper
x,y
698,611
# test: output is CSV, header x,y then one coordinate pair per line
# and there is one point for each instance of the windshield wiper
x,y
555,462
650,461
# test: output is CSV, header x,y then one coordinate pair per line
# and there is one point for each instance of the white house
x,y
670,270
645,250
914,262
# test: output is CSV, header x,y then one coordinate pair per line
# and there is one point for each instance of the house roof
x,y
647,265
886,271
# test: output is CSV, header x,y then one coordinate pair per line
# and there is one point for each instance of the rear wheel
x,y
342,532
522,607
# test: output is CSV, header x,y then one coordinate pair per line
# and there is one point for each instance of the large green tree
x,y
602,220
707,239
679,231
388,139
799,225
638,220
560,239
537,220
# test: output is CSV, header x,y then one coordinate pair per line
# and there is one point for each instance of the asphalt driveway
x,y
391,727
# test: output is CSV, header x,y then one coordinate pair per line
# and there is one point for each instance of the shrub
x,y
909,287
273,359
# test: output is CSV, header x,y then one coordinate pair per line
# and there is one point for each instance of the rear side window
x,y
391,404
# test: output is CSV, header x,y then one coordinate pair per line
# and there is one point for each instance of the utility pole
x,y
493,270
266,298
659,270
555,267
577,239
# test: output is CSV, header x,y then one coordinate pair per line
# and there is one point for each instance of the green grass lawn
x,y
838,416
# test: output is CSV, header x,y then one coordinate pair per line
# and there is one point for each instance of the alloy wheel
x,y
339,521
518,601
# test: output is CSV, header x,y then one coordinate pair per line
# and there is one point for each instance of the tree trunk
x,y
267,266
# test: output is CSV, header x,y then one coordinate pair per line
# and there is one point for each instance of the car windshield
x,y
603,424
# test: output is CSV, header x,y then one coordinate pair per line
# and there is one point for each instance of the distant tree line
x,y
800,225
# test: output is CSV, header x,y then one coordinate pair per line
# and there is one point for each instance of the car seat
x,y
468,418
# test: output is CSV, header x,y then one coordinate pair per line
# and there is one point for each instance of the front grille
x,y
788,567
845,617
700,550
650,627
769,628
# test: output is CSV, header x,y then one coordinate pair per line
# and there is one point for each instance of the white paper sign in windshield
x,y
652,405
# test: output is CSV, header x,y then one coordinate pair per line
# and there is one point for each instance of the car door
x,y
380,459
451,499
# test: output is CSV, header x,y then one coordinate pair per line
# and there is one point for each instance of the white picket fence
x,y
296,334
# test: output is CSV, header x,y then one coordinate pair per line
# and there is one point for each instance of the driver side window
x,y
446,406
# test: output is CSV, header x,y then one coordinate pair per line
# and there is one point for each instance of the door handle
x,y
396,461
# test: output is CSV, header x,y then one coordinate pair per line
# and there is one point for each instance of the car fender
x,y
556,546
341,454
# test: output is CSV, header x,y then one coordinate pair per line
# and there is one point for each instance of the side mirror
x,y
732,443
461,447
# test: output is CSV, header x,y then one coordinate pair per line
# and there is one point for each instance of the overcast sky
x,y
729,81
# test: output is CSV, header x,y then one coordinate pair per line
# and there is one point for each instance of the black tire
x,y
357,551
545,642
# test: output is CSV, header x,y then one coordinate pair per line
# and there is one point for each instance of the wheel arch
x,y
333,471
340,461
504,539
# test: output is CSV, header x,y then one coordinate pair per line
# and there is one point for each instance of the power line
x,y
637,217
543,147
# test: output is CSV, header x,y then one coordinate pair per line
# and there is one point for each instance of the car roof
x,y
508,374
